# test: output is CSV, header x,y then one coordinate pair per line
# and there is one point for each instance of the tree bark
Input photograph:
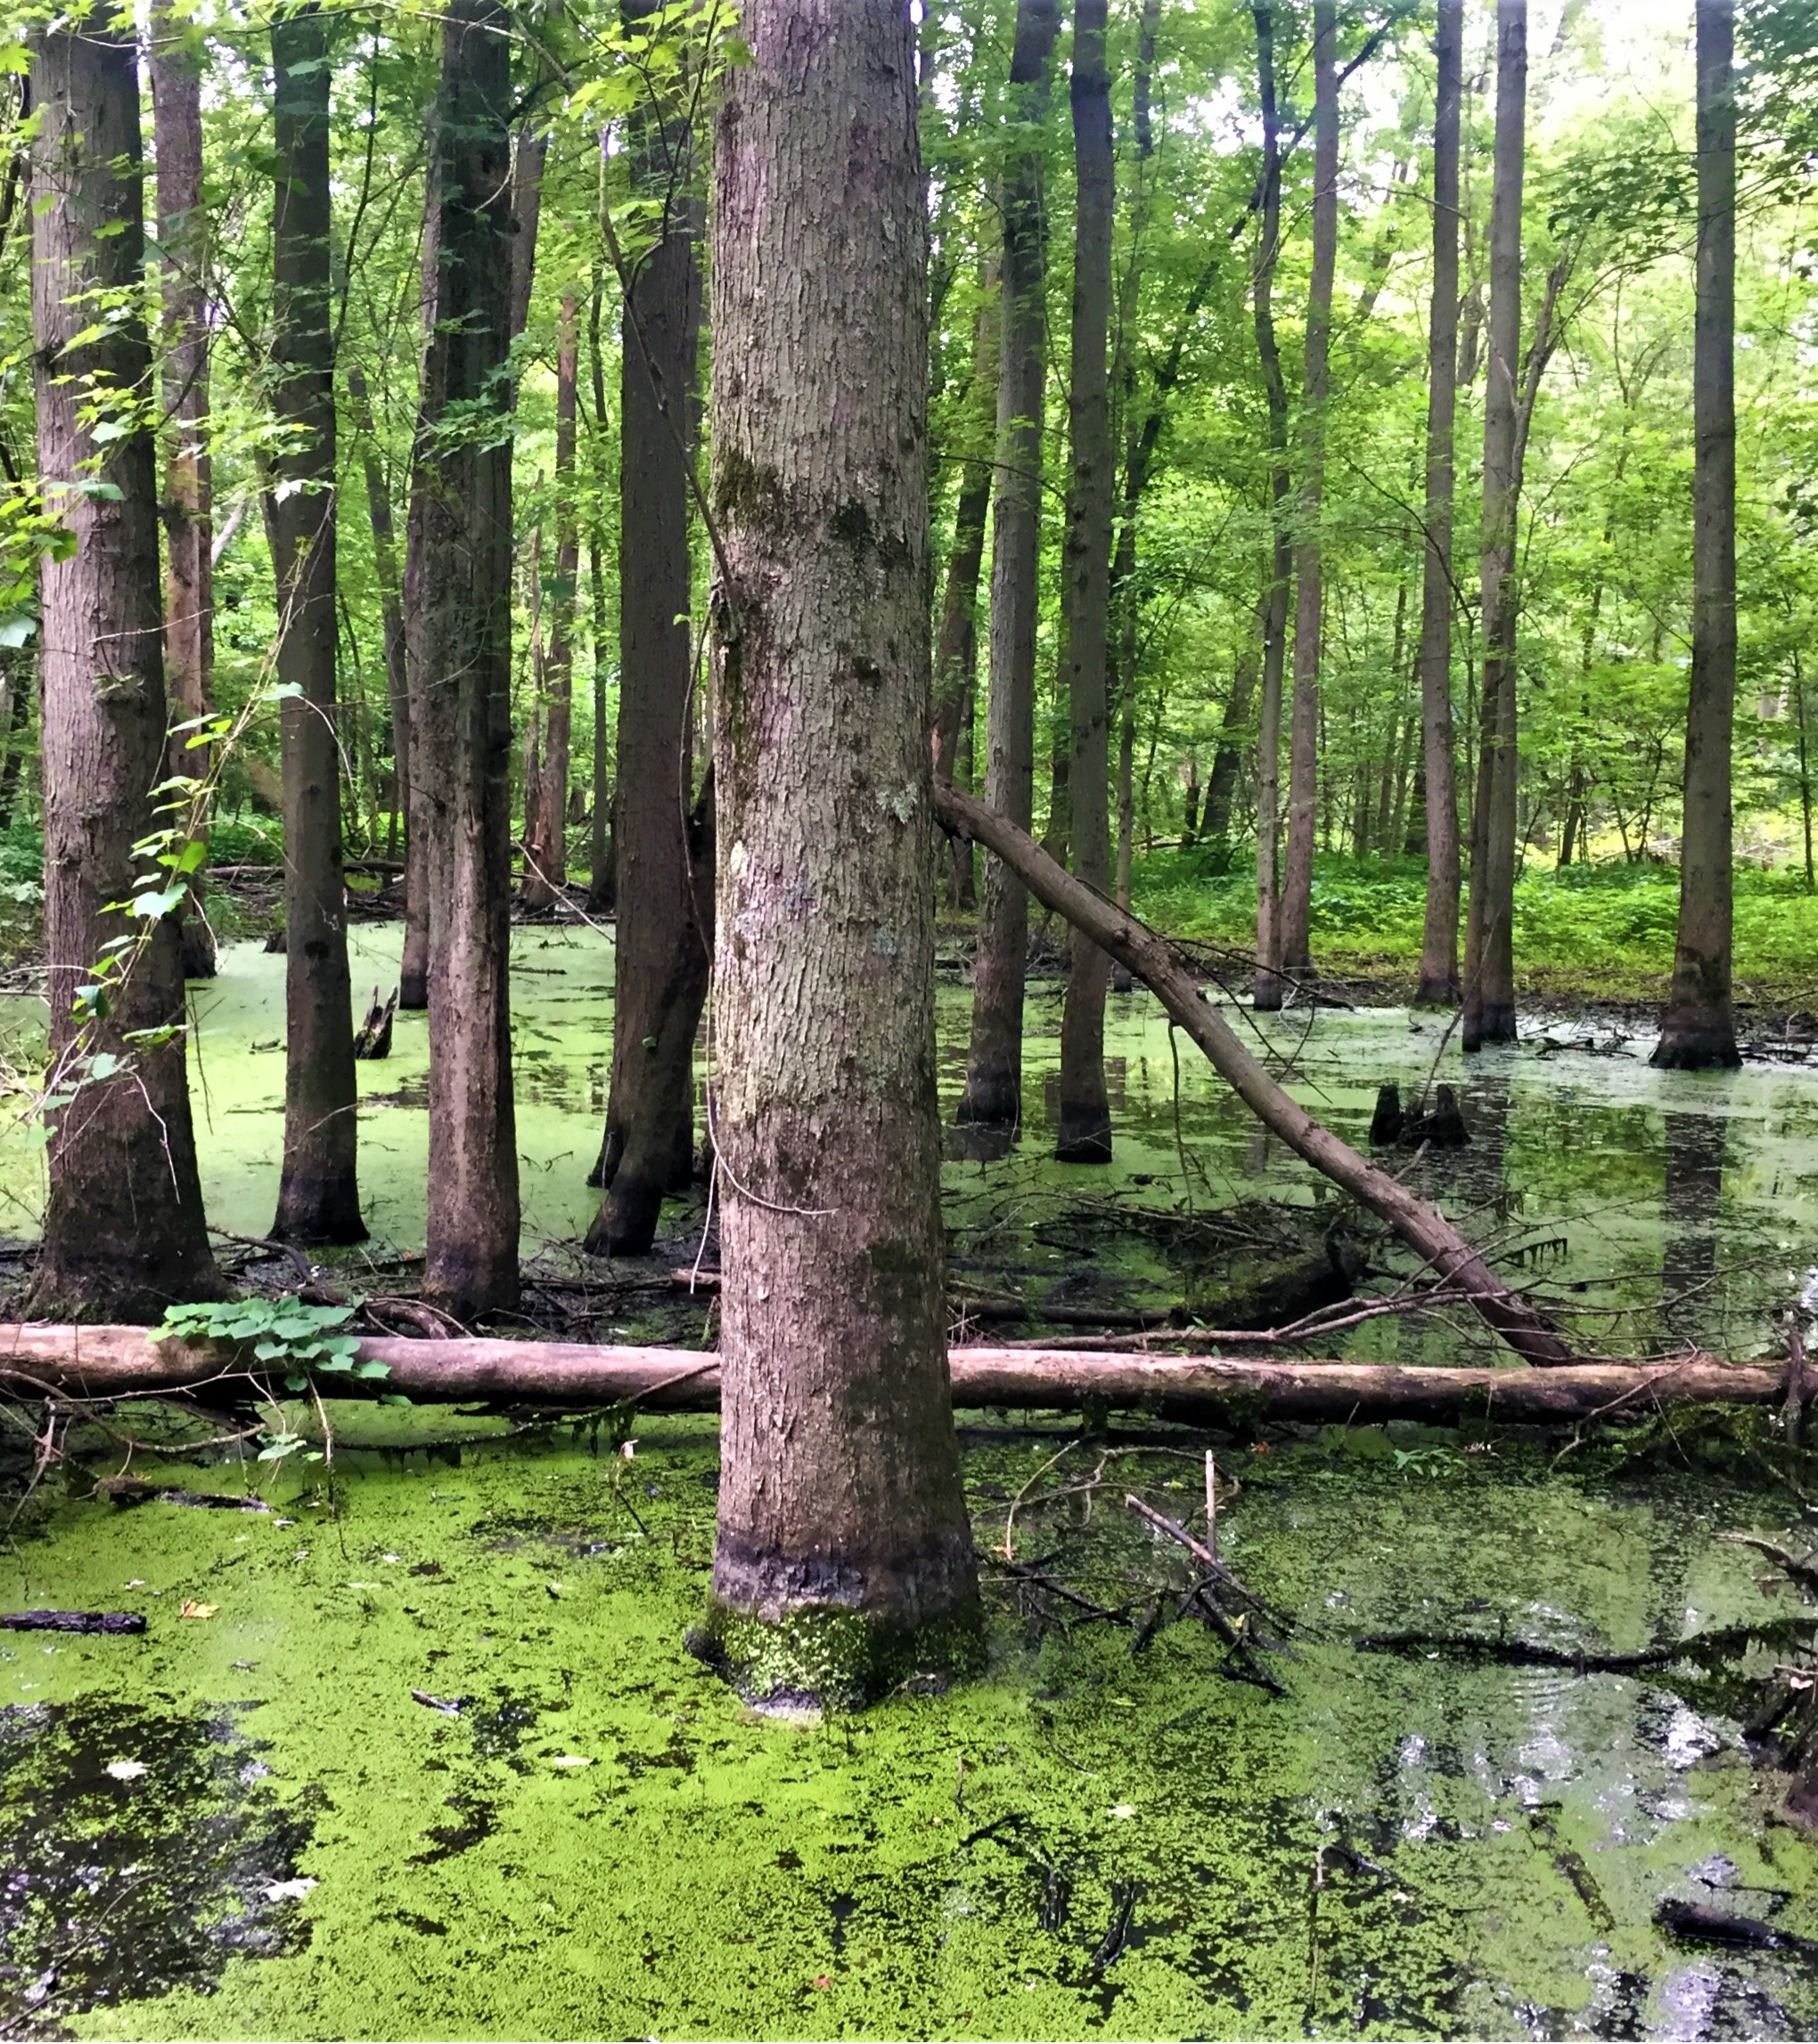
x,y
993,1092
664,918
121,1362
1698,1030
1423,1228
1084,1132
318,1188
845,1556
1438,981
956,649
1309,606
123,1232
602,890
1489,966
459,614
379,513
1269,986
189,581
414,965
529,151
546,821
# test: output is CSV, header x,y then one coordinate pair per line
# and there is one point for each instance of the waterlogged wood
x,y
122,1361
1423,1228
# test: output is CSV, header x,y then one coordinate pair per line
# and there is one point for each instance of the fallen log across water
x,y
93,1362
1135,946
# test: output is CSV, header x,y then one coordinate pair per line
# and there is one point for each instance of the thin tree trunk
x,y
1698,1030
318,1189
845,1556
1269,987
123,1229
1489,969
665,914
956,649
545,801
1221,785
602,892
1303,742
529,151
993,1067
1438,981
414,965
1805,772
1085,1133
189,580
459,613
379,513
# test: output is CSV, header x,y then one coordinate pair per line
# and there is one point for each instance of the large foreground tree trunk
x,y
1438,984
1423,1228
1273,611
1489,962
1309,602
123,1232
181,237
663,907
993,1066
460,615
318,1189
845,1556
1698,1030
118,1362
1084,1132
546,799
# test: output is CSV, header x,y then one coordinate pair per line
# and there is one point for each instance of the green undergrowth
x,y
1602,931
438,1763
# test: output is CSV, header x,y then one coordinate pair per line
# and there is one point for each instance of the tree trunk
x,y
956,649
1221,783
602,890
1438,983
1698,1030
845,1556
189,579
378,514
529,151
1084,1132
414,966
1422,1228
1489,965
459,614
123,1232
116,1362
545,803
1303,743
318,1189
664,916
1269,986
993,1066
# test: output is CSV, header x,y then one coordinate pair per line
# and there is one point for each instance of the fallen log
x,y
1138,948
102,1362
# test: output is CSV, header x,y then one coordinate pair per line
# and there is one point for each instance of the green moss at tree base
x,y
827,1656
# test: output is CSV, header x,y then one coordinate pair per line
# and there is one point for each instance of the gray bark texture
x,y
546,797
1084,1132
123,1230
318,1188
380,515
182,240
1489,959
1309,604
841,1504
663,895
1438,984
459,615
993,1066
1274,609
1697,1032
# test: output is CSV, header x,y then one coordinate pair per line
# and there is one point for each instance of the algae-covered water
x,y
422,1752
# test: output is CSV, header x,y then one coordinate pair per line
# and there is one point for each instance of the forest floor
x,y
418,1751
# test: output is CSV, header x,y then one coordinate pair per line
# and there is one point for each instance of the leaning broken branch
x,y
109,1363
1137,947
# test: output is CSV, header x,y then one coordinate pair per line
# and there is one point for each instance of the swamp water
x,y
245,1823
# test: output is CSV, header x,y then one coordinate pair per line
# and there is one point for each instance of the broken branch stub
x,y
1135,946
